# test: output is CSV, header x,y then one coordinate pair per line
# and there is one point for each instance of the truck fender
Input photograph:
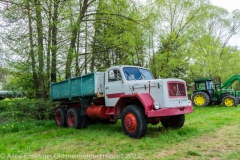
x,y
144,98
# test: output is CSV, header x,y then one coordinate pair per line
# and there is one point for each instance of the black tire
x,y
60,117
134,121
229,101
174,122
200,99
73,118
237,100
84,121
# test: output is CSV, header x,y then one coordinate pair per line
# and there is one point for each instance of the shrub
x,y
25,109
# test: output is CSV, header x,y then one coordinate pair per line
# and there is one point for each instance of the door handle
x,y
107,87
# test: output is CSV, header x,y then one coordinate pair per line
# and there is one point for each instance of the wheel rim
x,y
71,119
229,102
130,122
58,118
199,100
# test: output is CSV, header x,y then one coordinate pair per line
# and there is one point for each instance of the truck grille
x,y
176,89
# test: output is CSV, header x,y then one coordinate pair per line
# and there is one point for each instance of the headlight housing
x,y
156,105
189,103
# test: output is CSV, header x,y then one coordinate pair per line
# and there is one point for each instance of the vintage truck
x,y
129,93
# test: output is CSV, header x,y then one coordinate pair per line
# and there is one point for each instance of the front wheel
x,y
230,101
174,122
134,121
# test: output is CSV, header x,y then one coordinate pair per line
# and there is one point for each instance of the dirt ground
x,y
216,146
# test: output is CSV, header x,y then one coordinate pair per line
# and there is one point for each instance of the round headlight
x,y
189,102
156,105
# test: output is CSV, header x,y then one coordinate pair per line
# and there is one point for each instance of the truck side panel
x,y
86,85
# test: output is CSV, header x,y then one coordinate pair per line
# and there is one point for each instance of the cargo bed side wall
x,y
86,85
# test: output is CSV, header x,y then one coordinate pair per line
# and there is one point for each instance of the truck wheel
x,y
134,121
229,101
73,118
60,117
84,121
174,122
200,99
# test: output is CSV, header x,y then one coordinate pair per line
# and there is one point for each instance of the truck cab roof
x,y
122,66
132,72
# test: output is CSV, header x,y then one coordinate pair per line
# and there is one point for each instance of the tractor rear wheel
x,y
134,121
230,101
174,122
200,99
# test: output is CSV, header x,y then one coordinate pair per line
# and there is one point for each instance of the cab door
x,y
113,87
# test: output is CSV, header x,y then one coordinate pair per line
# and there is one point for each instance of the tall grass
x,y
101,141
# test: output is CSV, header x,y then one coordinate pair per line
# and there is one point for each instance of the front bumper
x,y
170,111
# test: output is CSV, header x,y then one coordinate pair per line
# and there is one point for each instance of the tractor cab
x,y
207,86
216,85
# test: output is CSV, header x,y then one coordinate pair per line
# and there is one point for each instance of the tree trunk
x,y
38,11
77,69
49,41
31,52
54,41
75,30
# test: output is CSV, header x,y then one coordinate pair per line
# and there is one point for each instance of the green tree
x,y
176,18
119,36
49,41
211,56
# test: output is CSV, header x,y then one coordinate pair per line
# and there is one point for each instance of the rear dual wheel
x,y
70,118
60,117
75,120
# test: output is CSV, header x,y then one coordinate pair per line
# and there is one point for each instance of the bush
x,y
25,109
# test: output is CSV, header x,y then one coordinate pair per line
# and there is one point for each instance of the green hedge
x,y
26,109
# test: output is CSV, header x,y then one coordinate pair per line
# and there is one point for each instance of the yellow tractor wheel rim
x,y
229,102
199,100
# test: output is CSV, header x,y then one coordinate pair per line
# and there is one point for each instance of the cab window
x,y
114,75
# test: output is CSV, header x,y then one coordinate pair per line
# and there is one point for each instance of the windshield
x,y
209,85
146,74
132,73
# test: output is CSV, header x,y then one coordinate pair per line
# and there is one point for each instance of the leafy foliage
x,y
25,109
48,41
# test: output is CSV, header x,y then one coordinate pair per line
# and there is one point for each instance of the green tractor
x,y
206,92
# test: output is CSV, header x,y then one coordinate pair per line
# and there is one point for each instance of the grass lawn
x,y
211,132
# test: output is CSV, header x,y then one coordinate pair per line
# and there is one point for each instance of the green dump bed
x,y
83,86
